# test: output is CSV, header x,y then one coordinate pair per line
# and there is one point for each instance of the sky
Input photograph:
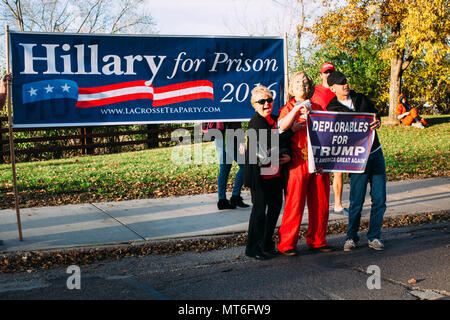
x,y
217,17
223,17
232,17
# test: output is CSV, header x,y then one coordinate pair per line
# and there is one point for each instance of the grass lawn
x,y
413,153
410,153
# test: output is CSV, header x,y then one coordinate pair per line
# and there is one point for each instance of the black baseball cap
x,y
336,77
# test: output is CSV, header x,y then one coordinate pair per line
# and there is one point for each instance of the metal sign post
x,y
286,68
11,138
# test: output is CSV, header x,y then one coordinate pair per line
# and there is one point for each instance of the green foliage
x,y
366,72
428,83
411,32
415,153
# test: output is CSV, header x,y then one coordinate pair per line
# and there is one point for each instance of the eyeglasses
x,y
263,101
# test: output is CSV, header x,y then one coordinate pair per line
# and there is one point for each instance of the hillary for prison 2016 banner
x,y
76,79
339,141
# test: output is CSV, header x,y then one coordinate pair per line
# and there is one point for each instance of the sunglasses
x,y
263,101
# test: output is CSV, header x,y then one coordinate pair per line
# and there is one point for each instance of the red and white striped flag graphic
x,y
134,90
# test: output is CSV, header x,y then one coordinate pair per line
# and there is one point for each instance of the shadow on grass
x,y
433,120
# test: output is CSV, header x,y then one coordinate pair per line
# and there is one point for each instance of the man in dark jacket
x,y
347,100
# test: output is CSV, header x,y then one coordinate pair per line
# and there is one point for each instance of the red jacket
x,y
299,143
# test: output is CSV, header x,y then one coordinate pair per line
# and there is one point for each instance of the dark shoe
x,y
236,201
271,253
322,249
258,256
225,204
291,253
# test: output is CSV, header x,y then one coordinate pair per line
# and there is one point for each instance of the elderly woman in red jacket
x,y
312,188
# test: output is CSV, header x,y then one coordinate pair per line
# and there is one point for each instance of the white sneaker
x,y
376,244
343,211
418,125
349,245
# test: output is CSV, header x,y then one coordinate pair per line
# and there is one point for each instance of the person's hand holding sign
x,y
3,84
285,158
375,124
302,109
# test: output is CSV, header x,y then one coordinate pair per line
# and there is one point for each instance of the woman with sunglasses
x,y
262,174
313,188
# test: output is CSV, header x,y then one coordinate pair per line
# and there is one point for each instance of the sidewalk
x,y
188,216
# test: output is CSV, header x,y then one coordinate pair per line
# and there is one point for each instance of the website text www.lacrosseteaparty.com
x,y
159,110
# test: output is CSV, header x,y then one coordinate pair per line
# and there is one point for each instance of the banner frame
x,y
149,35
96,124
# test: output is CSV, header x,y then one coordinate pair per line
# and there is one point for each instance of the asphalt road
x,y
420,253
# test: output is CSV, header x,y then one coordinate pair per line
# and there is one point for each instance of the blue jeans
x,y
226,162
375,174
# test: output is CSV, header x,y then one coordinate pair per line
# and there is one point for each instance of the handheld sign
x,y
339,141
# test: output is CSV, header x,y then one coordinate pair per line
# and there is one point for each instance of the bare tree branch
x,y
60,21
94,23
16,12
79,16
119,16
88,15
300,28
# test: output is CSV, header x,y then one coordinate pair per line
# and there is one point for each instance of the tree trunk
x,y
394,87
300,28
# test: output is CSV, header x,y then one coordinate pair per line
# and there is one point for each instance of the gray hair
x,y
257,89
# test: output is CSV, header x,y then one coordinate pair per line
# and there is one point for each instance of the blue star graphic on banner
x,y
49,89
